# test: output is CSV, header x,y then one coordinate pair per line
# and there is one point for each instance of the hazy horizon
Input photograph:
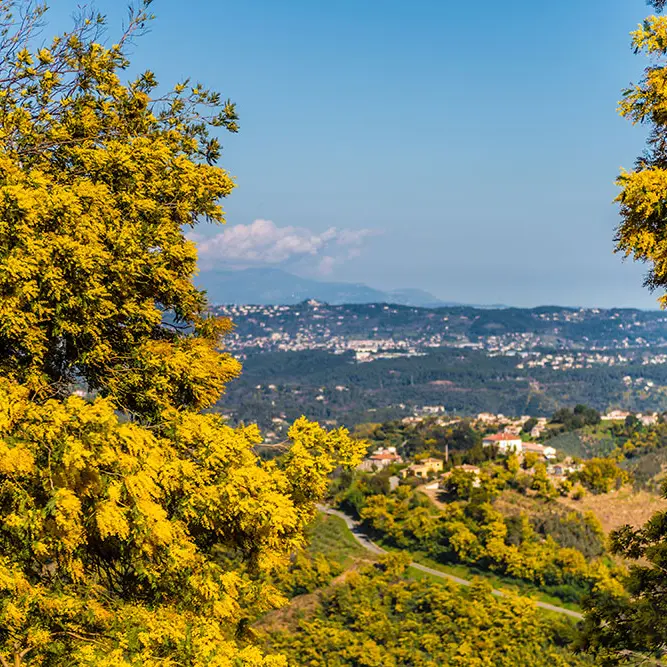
x,y
207,275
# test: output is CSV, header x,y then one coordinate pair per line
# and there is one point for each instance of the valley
x,y
374,362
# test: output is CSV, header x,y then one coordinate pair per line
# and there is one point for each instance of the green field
x,y
328,535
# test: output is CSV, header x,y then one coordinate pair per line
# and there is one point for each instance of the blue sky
x,y
468,149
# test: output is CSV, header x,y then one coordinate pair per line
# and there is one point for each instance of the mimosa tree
x,y
135,529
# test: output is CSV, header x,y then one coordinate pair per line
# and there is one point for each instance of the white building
x,y
505,443
549,452
544,451
615,415
648,420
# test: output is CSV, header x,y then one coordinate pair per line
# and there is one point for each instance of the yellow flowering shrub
x,y
643,196
135,528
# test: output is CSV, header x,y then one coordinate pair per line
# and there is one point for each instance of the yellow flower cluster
x,y
183,515
643,196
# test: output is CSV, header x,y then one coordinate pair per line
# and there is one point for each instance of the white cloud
x,y
265,243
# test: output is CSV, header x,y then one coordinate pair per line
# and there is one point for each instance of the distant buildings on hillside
x,y
648,420
505,442
423,468
340,329
620,415
380,459
512,426
511,444
615,415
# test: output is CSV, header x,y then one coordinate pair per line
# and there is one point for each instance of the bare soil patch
x,y
619,508
512,503
433,495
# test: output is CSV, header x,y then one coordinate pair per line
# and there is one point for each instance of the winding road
x,y
369,545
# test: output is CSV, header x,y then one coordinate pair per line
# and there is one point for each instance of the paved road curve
x,y
368,544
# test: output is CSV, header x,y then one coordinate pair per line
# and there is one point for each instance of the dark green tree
x,y
529,425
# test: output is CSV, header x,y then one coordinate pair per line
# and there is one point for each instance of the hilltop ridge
x,y
267,286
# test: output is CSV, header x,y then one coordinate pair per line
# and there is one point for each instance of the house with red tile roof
x,y
380,459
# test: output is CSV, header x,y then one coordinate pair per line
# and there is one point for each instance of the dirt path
x,y
432,495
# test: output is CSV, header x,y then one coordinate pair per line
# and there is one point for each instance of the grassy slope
x,y
501,583
330,536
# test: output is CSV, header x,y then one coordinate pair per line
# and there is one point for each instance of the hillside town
x,y
430,469
525,438
582,338
513,426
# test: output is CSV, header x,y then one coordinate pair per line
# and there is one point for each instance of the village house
x,y
471,470
412,420
564,468
380,459
648,420
557,470
615,415
544,451
539,428
505,442
423,468
434,465
549,452
468,468
532,448
431,409
447,421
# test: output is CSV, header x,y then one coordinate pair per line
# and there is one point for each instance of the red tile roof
x,y
497,437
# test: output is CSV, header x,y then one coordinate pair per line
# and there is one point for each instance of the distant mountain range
x,y
275,286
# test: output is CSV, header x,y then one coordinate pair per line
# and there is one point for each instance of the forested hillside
x,y
465,382
376,362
